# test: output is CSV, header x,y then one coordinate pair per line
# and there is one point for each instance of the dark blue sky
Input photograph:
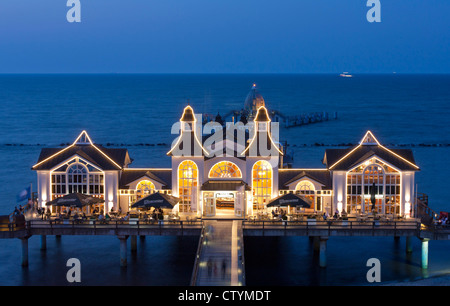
x,y
224,36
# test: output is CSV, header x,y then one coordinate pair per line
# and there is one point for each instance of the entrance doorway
x,y
209,201
225,201
219,204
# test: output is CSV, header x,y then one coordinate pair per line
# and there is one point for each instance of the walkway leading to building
x,y
220,258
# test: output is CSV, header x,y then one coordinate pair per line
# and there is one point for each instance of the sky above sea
x,y
232,36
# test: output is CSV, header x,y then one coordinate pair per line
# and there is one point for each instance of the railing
x,y
423,198
12,227
11,224
334,225
241,257
424,212
113,224
197,258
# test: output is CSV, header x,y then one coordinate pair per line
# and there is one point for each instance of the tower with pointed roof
x,y
253,102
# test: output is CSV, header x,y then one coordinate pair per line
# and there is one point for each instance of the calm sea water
x,y
137,111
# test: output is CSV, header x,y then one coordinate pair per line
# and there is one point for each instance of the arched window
x,y
77,176
144,188
261,184
225,169
307,189
187,184
360,182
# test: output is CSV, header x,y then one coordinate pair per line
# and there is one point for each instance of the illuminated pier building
x,y
234,176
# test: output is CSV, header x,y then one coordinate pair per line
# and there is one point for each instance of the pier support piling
x,y
43,242
408,245
316,244
123,250
323,252
133,242
424,253
24,242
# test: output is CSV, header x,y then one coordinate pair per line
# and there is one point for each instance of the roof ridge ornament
x,y
83,139
369,140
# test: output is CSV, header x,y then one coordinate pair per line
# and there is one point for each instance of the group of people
x,y
336,215
157,214
443,220
212,266
279,213
21,210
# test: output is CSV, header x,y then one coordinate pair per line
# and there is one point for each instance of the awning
x,y
290,199
157,200
224,185
75,200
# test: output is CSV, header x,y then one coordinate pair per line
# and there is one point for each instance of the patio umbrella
x,y
290,199
157,200
75,200
372,196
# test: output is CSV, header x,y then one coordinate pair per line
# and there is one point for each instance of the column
x,y
424,253
123,250
323,252
43,242
133,243
408,244
316,244
24,242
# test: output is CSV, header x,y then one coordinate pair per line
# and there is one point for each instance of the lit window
x,y
144,188
261,184
306,188
187,184
77,176
225,169
360,182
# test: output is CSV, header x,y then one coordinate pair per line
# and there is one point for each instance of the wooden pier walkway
x,y
219,259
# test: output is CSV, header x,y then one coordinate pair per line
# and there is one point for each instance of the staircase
x,y
424,212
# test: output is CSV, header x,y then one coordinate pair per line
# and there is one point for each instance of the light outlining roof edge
x,y
50,157
371,134
146,169
181,134
302,169
87,136
412,164
254,136
73,144
380,145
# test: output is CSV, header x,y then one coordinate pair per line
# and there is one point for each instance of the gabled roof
x,y
163,176
289,176
103,158
188,136
261,116
346,159
188,115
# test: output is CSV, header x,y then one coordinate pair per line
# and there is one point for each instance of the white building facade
x,y
238,183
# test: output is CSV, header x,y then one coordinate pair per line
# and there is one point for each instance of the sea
x,y
137,111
